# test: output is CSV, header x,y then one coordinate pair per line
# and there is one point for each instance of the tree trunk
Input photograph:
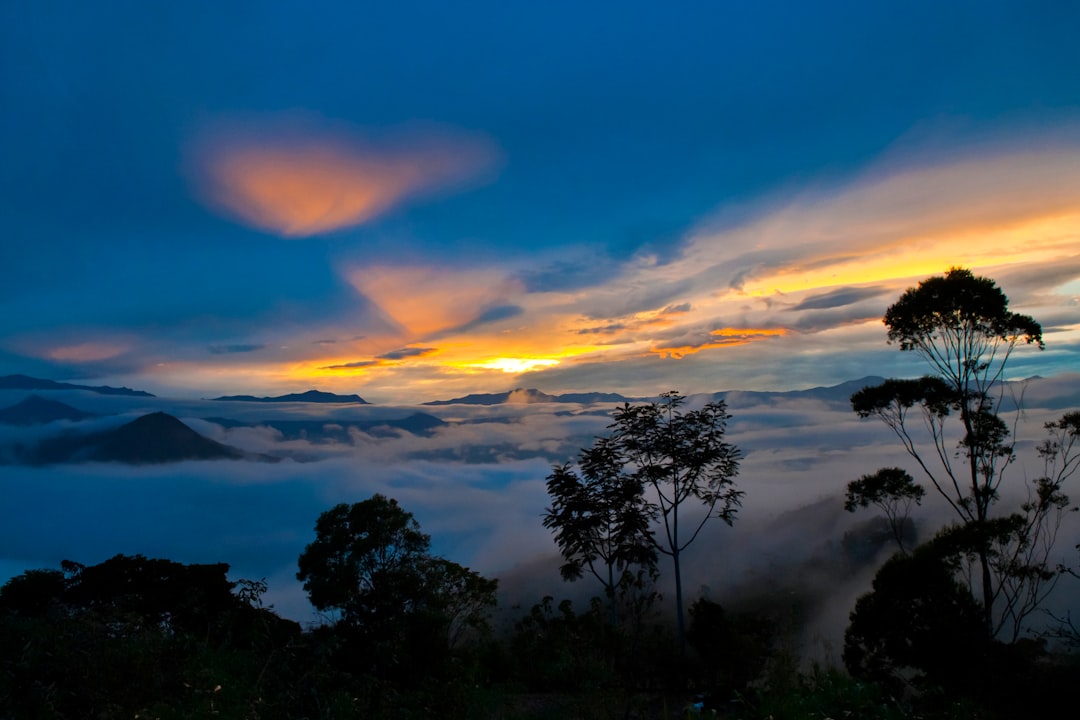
x,y
681,626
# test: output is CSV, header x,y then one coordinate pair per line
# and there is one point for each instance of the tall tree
x,y
961,325
663,459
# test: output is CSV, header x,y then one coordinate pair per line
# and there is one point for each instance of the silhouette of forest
x,y
954,626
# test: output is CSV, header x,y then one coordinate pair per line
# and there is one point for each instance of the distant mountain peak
x,y
310,396
150,439
36,410
25,382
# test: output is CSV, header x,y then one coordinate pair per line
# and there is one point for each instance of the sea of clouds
x,y
477,486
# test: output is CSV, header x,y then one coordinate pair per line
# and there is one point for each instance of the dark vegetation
x,y
946,630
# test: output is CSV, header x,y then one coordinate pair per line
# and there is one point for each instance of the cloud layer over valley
x,y
475,483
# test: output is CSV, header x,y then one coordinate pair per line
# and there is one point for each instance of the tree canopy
x,y
370,563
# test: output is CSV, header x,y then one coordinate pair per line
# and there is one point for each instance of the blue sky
x,y
418,200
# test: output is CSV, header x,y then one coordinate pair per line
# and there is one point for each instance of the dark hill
x,y
311,396
25,382
154,438
36,410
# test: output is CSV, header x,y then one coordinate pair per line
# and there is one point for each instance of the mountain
x,y
25,382
151,439
524,397
833,393
36,410
319,431
311,396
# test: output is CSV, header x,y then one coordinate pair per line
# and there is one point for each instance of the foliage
x,y
918,627
365,560
732,649
401,611
135,636
657,459
962,327
824,693
891,489
960,323
554,648
600,519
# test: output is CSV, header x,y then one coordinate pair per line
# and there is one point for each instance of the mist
x,y
477,485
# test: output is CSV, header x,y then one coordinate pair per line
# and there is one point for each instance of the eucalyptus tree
x,y
950,422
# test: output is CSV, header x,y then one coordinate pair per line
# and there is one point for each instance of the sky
x,y
418,200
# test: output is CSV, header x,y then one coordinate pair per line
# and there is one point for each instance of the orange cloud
x,y
297,178
725,337
424,300
896,225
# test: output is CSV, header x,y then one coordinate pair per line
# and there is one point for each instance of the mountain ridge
x,y
309,396
152,439
36,410
25,382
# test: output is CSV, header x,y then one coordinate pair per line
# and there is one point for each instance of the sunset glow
x,y
476,220
516,365
298,181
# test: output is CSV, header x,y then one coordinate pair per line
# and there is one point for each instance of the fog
x,y
477,486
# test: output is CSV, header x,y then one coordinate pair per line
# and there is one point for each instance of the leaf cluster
x,y
956,304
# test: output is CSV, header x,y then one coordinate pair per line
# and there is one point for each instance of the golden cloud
x,y
725,337
995,209
423,300
297,177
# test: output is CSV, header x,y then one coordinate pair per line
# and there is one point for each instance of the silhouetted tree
x,y
961,325
893,490
918,626
601,520
136,636
398,607
658,459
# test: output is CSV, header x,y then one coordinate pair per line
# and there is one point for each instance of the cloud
x,y
233,349
838,298
602,329
475,485
423,300
724,337
354,364
85,352
410,352
491,315
299,175
896,223
391,358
